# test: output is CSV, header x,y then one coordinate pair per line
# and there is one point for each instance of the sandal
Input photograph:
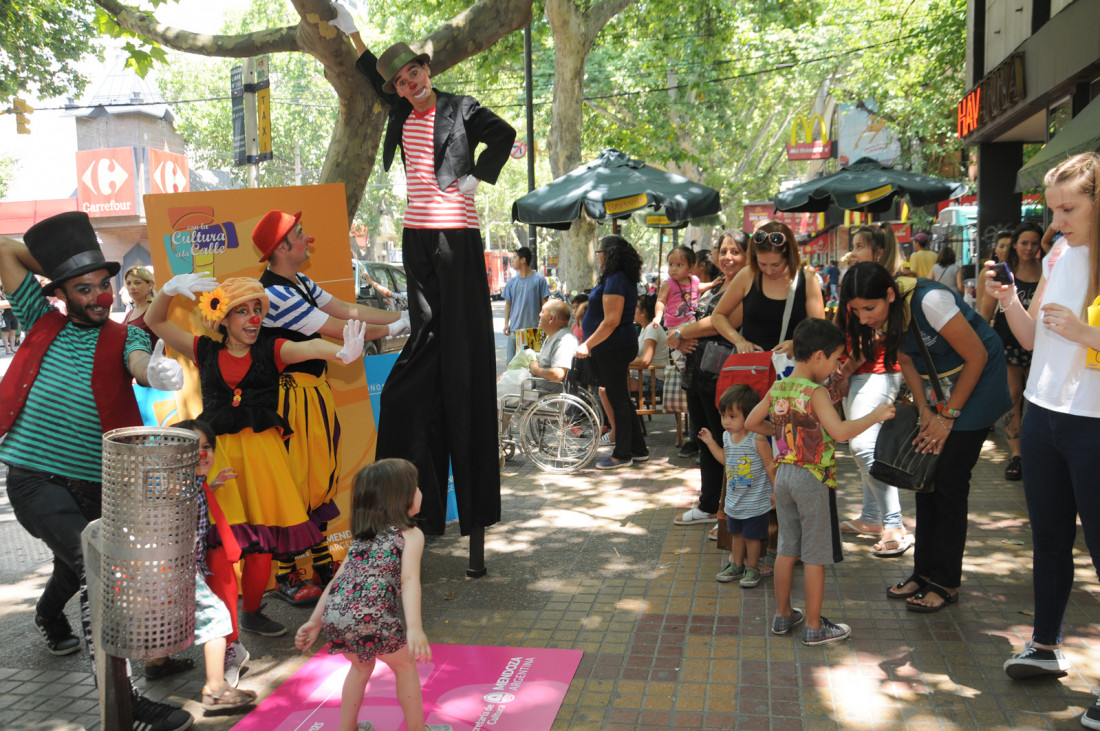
x,y
1014,471
893,547
895,591
948,599
228,697
170,666
858,527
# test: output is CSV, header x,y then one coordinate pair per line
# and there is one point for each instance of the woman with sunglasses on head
x,y
1062,421
699,385
869,383
761,290
1024,258
609,338
969,360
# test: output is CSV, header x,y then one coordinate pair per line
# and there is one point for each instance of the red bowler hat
x,y
272,229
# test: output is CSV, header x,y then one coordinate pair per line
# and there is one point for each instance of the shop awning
x,y
1082,134
17,216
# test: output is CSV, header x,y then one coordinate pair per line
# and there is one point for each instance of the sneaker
x,y
829,632
730,572
259,623
295,591
693,517
1034,661
152,716
613,464
689,448
324,573
236,655
783,625
1091,717
751,578
60,639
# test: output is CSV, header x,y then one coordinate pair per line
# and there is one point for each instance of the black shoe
x,y
152,716
259,623
690,448
60,639
324,573
1014,471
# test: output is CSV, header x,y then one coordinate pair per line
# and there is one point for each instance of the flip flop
x,y
948,599
900,546
892,592
849,526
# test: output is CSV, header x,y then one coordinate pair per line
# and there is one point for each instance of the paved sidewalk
x,y
593,561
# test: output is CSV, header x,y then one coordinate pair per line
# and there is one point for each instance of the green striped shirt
x,y
58,430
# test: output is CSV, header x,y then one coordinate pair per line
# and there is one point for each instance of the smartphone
x,y
1002,274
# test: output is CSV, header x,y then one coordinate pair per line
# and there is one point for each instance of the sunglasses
x,y
775,238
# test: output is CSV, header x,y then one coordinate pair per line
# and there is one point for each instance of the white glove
x,y
343,21
400,326
163,373
189,284
467,185
353,341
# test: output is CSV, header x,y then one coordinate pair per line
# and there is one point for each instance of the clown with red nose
x,y
239,372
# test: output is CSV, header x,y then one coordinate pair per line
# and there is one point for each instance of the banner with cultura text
x,y
211,231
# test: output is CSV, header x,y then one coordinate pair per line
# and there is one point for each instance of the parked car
x,y
391,278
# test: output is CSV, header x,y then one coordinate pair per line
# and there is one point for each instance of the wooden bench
x,y
648,399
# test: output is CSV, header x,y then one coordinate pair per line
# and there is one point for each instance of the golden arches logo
x,y
809,148
808,129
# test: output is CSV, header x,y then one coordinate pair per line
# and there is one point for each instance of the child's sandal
x,y
227,698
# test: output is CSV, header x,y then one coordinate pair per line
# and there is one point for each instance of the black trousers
x,y
942,515
612,372
439,402
702,412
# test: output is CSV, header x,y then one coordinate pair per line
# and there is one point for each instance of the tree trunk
x,y
574,32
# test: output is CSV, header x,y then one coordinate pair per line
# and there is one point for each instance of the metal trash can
x,y
146,543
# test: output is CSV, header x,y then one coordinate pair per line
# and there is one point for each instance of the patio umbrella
x,y
867,185
614,186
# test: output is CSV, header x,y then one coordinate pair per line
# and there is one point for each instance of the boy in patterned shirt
x,y
805,425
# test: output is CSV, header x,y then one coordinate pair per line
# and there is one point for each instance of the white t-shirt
x,y
938,306
1058,379
654,332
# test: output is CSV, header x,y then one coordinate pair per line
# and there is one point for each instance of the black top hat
x,y
66,246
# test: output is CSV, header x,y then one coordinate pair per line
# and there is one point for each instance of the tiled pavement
x,y
593,561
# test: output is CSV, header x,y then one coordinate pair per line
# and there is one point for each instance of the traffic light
x,y
22,117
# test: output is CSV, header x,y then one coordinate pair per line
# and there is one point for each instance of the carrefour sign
x,y
105,182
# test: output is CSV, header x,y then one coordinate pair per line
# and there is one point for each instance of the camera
x,y
1002,274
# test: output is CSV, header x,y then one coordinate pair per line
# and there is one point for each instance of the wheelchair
x,y
555,425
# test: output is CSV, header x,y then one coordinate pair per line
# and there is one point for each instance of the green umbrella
x,y
614,186
867,185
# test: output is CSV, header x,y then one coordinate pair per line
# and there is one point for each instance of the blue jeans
x,y
1059,466
881,505
54,514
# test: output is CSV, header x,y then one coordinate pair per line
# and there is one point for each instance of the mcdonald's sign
x,y
808,148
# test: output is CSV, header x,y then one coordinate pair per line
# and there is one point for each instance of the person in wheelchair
x,y
560,343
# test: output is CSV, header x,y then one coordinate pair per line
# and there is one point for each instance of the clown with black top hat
x,y
69,383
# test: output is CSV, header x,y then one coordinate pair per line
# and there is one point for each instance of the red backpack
x,y
753,369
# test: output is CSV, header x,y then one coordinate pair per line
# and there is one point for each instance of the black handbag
x,y
897,461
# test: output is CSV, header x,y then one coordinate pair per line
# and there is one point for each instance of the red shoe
x,y
294,591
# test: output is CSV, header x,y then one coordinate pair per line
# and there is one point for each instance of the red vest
x,y
111,382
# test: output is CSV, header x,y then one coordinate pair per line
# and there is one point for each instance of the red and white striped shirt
x,y
430,207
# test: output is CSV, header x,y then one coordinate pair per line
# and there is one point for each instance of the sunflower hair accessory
x,y
213,306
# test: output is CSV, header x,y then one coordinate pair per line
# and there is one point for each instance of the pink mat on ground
x,y
469,687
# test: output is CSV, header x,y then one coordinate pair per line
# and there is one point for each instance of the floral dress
x,y
362,616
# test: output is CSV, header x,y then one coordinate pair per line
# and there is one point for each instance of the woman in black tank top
x,y
761,291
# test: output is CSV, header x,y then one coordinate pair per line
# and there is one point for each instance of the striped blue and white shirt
x,y
292,311
748,489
